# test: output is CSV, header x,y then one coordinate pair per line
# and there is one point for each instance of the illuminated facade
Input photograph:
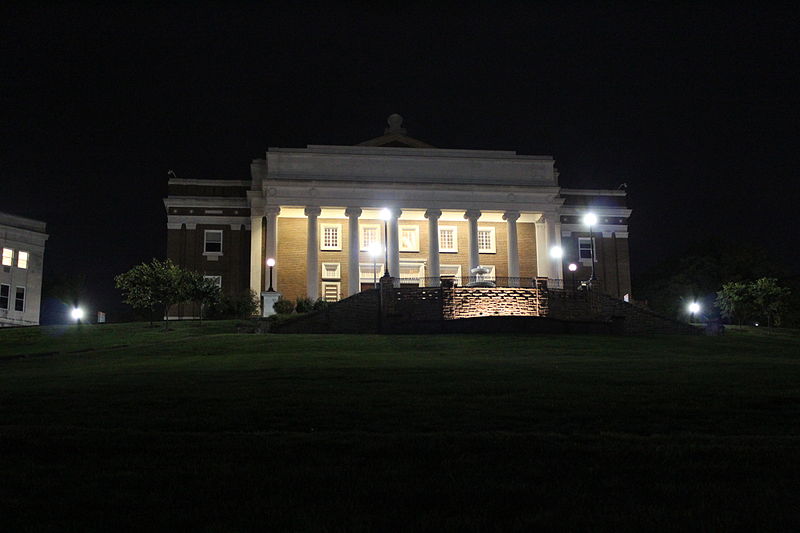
x,y
22,243
318,212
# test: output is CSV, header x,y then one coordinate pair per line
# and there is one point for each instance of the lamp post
x,y
270,264
590,219
572,268
77,314
385,217
374,251
694,308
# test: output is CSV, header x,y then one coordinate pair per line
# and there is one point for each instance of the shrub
x,y
304,305
320,304
243,305
283,306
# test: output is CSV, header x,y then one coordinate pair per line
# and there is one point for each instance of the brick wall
x,y
469,302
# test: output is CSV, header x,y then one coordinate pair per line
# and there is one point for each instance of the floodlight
x,y
76,313
694,307
590,219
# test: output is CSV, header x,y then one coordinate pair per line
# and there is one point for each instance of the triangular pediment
x,y
395,136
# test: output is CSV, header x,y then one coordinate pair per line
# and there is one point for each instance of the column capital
x,y
433,213
352,212
312,211
272,210
472,214
511,216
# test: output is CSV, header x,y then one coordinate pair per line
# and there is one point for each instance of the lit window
x,y
331,291
19,300
5,290
370,234
448,239
8,257
331,271
585,250
216,279
22,259
213,242
330,238
486,241
409,238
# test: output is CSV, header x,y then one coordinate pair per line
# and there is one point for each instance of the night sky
x,y
694,107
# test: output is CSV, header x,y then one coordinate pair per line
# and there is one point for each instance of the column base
x,y
268,299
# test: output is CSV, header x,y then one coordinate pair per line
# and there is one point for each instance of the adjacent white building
x,y
22,243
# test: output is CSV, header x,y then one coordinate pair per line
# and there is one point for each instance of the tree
x,y
762,298
769,299
196,288
156,285
735,301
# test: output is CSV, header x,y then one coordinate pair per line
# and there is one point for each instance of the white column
x,y
256,261
472,215
312,253
272,213
394,244
552,226
434,269
354,275
513,250
542,254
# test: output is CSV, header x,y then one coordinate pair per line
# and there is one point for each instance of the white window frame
x,y
8,257
216,279
7,296
586,261
454,248
457,275
365,272
23,258
492,240
411,265
221,241
336,284
24,299
415,230
326,225
337,271
363,245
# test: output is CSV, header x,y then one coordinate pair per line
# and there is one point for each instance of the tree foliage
x,y
762,299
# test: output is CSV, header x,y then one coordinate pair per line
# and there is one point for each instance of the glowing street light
x,y
694,308
590,219
76,314
556,252
572,268
271,265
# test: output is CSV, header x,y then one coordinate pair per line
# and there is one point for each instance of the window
x,y
331,291
330,239
448,239
370,272
213,242
5,290
370,234
19,301
331,271
486,241
409,238
412,272
453,271
216,279
22,259
585,250
8,257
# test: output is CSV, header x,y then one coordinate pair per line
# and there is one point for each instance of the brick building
x,y
334,218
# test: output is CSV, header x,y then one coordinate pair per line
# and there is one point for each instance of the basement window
x,y
331,291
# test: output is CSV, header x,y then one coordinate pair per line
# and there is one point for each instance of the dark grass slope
x,y
128,427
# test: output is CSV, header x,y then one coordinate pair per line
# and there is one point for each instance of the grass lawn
x,y
129,427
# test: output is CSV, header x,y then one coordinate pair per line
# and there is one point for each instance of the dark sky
x,y
695,107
